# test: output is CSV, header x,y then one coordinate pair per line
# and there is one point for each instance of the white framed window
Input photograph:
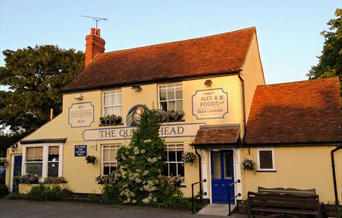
x,y
174,166
266,159
170,97
109,162
45,160
112,103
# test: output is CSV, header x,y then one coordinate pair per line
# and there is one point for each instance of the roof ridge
x,y
301,81
179,41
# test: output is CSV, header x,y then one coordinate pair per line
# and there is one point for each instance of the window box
x,y
110,120
170,115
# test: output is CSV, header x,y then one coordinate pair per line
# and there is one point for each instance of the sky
x,y
288,31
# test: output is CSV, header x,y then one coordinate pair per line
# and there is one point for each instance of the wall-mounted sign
x,y
81,115
209,104
80,150
165,131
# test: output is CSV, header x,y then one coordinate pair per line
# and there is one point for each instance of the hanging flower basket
x,y
90,159
248,164
189,157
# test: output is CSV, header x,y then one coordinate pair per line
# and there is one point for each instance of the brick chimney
x,y
94,45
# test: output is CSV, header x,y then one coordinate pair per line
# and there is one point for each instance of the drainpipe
x,y
200,174
333,171
243,108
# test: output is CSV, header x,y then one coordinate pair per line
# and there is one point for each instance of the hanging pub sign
x,y
80,150
209,104
81,115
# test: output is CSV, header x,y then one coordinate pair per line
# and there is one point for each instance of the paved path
x,y
39,209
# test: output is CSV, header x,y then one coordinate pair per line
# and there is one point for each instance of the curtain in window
x,y
34,154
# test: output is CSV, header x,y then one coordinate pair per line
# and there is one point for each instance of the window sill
x,y
266,171
117,124
182,186
173,121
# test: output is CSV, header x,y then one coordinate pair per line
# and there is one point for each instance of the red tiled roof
x,y
299,112
207,135
211,55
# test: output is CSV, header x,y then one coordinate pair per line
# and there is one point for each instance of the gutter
x,y
244,116
334,173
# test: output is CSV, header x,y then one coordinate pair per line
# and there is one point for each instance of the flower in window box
x,y
118,120
102,120
54,180
112,119
28,178
90,159
188,157
170,115
248,164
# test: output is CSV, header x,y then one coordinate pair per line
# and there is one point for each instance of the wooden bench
x,y
293,191
276,204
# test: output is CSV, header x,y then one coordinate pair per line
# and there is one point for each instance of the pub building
x,y
225,114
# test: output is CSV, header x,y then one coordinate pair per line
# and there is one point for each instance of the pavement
x,y
56,209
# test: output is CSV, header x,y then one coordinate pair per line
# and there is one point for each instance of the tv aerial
x,y
96,19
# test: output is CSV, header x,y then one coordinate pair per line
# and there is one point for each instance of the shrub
x,y
3,190
45,193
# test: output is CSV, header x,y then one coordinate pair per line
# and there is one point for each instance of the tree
x,y
34,77
138,177
330,62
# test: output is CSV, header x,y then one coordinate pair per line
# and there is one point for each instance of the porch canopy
x,y
215,137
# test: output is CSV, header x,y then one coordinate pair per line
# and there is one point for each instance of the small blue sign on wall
x,y
80,150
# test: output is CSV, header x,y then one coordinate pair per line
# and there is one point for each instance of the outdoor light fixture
x,y
79,97
208,82
136,88
14,147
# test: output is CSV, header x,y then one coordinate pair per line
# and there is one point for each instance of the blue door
x,y
16,172
222,174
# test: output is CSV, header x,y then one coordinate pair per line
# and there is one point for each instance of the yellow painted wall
x,y
252,73
298,167
81,176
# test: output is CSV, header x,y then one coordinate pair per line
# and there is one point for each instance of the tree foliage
x,y
330,62
138,177
34,77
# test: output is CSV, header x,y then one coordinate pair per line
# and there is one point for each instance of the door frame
x,y
236,170
222,155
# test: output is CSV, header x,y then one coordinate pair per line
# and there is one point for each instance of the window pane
x,y
172,156
266,161
227,165
34,168
217,165
179,105
179,94
162,95
170,94
53,169
173,170
180,169
163,106
53,153
171,105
